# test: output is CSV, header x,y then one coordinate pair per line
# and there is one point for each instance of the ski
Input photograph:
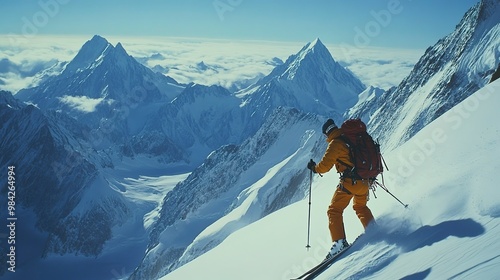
x,y
322,266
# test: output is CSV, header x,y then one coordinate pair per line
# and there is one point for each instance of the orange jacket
x,y
337,150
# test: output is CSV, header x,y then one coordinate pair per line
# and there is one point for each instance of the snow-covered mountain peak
x,y
97,39
96,52
101,70
88,54
451,70
310,80
93,47
104,86
312,55
119,47
315,46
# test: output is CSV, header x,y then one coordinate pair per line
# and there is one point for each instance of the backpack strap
x,y
349,172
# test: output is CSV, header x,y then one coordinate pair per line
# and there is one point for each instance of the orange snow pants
x,y
346,190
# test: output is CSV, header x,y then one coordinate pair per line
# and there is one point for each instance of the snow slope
x,y
450,230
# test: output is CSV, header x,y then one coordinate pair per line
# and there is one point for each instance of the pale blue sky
x,y
386,23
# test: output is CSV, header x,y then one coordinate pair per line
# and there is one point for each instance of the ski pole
x,y
309,215
385,189
405,205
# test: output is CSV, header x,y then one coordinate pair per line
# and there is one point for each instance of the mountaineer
x,y
342,151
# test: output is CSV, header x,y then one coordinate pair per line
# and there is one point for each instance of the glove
x,y
311,166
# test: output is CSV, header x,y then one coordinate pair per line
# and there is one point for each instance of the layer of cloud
x,y
81,103
380,67
211,62
232,64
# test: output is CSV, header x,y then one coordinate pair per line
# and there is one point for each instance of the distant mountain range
x,y
105,106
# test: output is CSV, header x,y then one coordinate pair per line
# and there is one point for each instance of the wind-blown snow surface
x,y
446,173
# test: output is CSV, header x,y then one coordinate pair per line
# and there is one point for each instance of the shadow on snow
x,y
422,237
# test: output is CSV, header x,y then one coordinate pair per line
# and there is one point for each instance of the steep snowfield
x,y
446,173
